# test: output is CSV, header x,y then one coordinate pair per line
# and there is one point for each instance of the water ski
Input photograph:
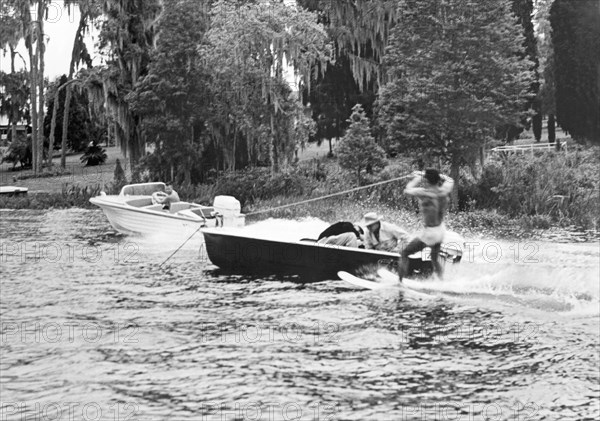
x,y
390,277
388,281
365,283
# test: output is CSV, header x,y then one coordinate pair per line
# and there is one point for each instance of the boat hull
x,y
313,261
133,221
13,191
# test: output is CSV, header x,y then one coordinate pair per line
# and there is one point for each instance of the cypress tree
x,y
576,40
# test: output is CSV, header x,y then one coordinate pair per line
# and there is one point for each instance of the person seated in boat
x,y
342,233
431,190
382,235
165,198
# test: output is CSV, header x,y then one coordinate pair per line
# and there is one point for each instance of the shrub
x,y
559,185
19,152
70,196
119,178
252,184
94,155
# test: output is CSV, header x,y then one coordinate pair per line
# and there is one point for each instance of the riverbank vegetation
x,y
514,196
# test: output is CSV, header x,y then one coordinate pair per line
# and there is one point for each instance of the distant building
x,y
5,129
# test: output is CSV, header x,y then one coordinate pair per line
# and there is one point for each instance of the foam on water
x,y
286,229
544,275
547,276
552,277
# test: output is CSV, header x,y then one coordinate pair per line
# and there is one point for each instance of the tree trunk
x,y
53,126
537,127
552,131
65,129
274,157
455,174
358,177
34,108
13,53
41,49
14,112
234,144
482,156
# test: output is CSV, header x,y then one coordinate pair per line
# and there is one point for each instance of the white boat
x,y
12,190
133,211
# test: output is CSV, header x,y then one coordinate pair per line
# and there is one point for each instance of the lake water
x,y
93,329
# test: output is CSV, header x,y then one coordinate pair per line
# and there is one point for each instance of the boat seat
x,y
179,206
155,207
140,202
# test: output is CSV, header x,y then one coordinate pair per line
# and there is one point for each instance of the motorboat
x,y
13,191
237,249
135,211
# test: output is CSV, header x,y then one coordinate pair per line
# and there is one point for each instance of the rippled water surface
x,y
93,328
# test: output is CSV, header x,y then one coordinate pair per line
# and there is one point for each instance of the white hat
x,y
371,218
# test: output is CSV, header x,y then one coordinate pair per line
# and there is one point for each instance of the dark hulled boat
x,y
236,251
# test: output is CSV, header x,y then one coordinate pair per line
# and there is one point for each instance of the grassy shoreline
x,y
543,195
470,224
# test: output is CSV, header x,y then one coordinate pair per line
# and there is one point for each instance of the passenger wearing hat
x,y
431,189
382,235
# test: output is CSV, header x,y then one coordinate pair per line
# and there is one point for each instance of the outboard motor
x,y
228,212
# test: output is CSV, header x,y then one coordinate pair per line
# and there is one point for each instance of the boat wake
x,y
541,275
560,278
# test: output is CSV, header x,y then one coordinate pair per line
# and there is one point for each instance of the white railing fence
x,y
531,147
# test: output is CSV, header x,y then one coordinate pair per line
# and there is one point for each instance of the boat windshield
x,y
145,189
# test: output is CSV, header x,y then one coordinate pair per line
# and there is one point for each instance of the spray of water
x,y
543,275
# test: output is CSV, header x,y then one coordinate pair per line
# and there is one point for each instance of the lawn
x,y
80,175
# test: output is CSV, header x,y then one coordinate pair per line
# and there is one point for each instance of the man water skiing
x,y
431,189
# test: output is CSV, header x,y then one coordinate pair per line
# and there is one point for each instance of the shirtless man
x,y
431,189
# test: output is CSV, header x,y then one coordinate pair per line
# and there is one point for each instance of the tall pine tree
x,y
357,151
576,40
458,71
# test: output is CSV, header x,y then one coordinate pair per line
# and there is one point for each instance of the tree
x,y
357,151
332,97
172,98
127,36
547,93
15,92
523,10
576,40
89,9
29,28
457,71
251,107
14,98
80,126
360,30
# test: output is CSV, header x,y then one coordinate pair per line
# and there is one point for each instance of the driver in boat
x,y
342,233
382,235
431,189
165,198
